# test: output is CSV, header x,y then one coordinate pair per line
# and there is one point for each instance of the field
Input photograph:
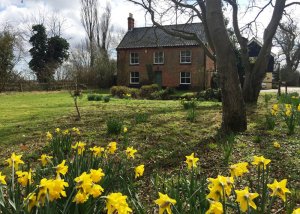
x,y
158,129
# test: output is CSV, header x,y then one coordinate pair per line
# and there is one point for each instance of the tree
x,y
47,53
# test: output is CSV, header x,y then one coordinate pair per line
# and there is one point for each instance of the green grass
x,y
163,140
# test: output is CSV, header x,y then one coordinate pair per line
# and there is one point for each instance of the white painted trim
x,y
185,62
185,77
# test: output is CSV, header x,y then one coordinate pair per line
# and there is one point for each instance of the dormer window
x,y
158,57
134,58
185,57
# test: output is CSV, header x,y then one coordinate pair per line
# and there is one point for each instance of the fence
x,y
35,86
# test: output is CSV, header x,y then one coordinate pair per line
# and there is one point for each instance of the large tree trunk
x,y
255,76
234,111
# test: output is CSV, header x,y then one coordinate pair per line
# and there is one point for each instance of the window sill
x,y
134,64
185,63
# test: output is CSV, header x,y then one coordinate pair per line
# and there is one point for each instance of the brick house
x,y
149,55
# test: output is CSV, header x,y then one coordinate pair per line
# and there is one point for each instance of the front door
x,y
158,78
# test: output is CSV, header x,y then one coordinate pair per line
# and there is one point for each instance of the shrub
x,y
135,93
119,91
106,99
162,94
211,94
98,97
188,104
91,97
147,90
114,126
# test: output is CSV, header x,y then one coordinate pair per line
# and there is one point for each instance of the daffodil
x,y
80,147
296,211
96,175
76,130
239,169
56,189
139,170
43,191
2,179
130,152
215,208
84,182
24,178
57,130
276,144
112,147
45,159
15,160
80,197
61,168
275,108
220,184
164,202
97,151
116,203
66,132
49,136
31,201
245,199
261,161
279,189
96,190
298,108
125,129
191,161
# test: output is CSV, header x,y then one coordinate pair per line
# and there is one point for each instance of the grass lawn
x,y
163,140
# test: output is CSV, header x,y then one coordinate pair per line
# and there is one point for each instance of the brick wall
x,y
171,68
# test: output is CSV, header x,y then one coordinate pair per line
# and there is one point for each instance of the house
x,y
254,47
149,55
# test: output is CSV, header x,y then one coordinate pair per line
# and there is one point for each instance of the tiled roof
x,y
155,37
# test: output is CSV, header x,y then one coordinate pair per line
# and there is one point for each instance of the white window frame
x,y
185,77
185,57
157,57
135,57
131,77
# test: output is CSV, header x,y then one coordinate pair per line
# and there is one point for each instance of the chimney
x,y
130,22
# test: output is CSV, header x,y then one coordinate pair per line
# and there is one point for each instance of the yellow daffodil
x,y
96,190
279,189
15,160
84,182
139,170
76,130
164,202
24,178
45,159
96,175
288,110
191,161
215,208
2,179
276,144
261,161
80,197
215,194
130,152
220,184
125,129
116,203
97,151
239,169
31,201
56,189
245,199
43,191
80,147
61,168
275,108
49,136
298,108
296,211
57,130
112,147
66,132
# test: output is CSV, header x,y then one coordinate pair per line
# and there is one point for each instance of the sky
x,y
19,13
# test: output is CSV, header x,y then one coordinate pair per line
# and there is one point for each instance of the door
x,y
158,78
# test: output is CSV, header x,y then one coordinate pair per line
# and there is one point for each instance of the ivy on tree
x,y
47,53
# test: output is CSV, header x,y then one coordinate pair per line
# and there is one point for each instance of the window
x,y
159,57
134,58
185,57
185,78
134,77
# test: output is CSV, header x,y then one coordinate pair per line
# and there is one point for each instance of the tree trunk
x,y
234,111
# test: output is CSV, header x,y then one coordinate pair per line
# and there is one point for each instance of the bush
x,y
91,97
98,98
114,126
210,94
135,93
162,94
147,90
106,99
119,91
141,117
